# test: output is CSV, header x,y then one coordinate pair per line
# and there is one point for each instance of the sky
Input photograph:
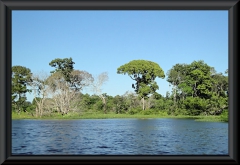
x,y
101,41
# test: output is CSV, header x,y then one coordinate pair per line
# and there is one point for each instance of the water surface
x,y
119,137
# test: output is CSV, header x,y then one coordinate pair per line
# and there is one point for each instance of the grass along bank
x,y
69,116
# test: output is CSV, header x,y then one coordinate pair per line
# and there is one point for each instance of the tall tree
x,y
144,73
176,75
63,93
220,84
41,91
21,77
80,79
97,87
193,79
66,83
198,87
199,78
65,66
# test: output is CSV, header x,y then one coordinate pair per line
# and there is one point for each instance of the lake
x,y
119,137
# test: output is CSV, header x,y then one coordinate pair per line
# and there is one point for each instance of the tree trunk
x,y
36,112
195,89
143,104
175,96
104,105
104,102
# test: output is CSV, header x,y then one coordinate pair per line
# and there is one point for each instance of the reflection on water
x,y
119,137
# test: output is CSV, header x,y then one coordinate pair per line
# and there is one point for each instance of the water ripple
x,y
115,137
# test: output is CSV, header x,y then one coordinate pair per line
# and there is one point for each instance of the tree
x,y
65,66
80,79
97,85
219,99
198,88
131,100
220,84
191,80
226,72
120,104
63,92
65,83
176,75
41,91
144,73
21,77
200,79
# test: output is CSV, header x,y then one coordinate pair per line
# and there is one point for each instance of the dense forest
x,y
197,89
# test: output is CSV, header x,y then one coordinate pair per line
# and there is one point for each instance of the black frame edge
x,y
233,78
5,87
3,75
120,4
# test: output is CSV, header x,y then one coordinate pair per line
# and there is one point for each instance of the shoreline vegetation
x,y
75,116
197,92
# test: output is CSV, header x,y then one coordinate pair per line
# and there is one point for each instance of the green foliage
x,y
224,116
34,100
160,104
192,80
157,96
150,112
144,73
134,111
195,105
64,66
120,103
197,90
220,84
21,77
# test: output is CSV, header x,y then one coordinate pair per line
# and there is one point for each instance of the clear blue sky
x,y
101,41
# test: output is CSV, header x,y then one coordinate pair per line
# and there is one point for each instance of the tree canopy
x,y
66,83
65,66
21,77
198,88
144,73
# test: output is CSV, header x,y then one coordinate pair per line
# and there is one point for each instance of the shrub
x,y
162,113
149,112
134,111
224,116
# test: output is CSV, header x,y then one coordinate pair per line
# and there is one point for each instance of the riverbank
x,y
112,116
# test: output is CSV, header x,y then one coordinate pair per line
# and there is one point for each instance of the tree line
x,y
197,89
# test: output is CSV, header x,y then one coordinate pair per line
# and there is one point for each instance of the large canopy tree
x,y
198,87
192,80
65,83
21,77
65,66
144,73
176,76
